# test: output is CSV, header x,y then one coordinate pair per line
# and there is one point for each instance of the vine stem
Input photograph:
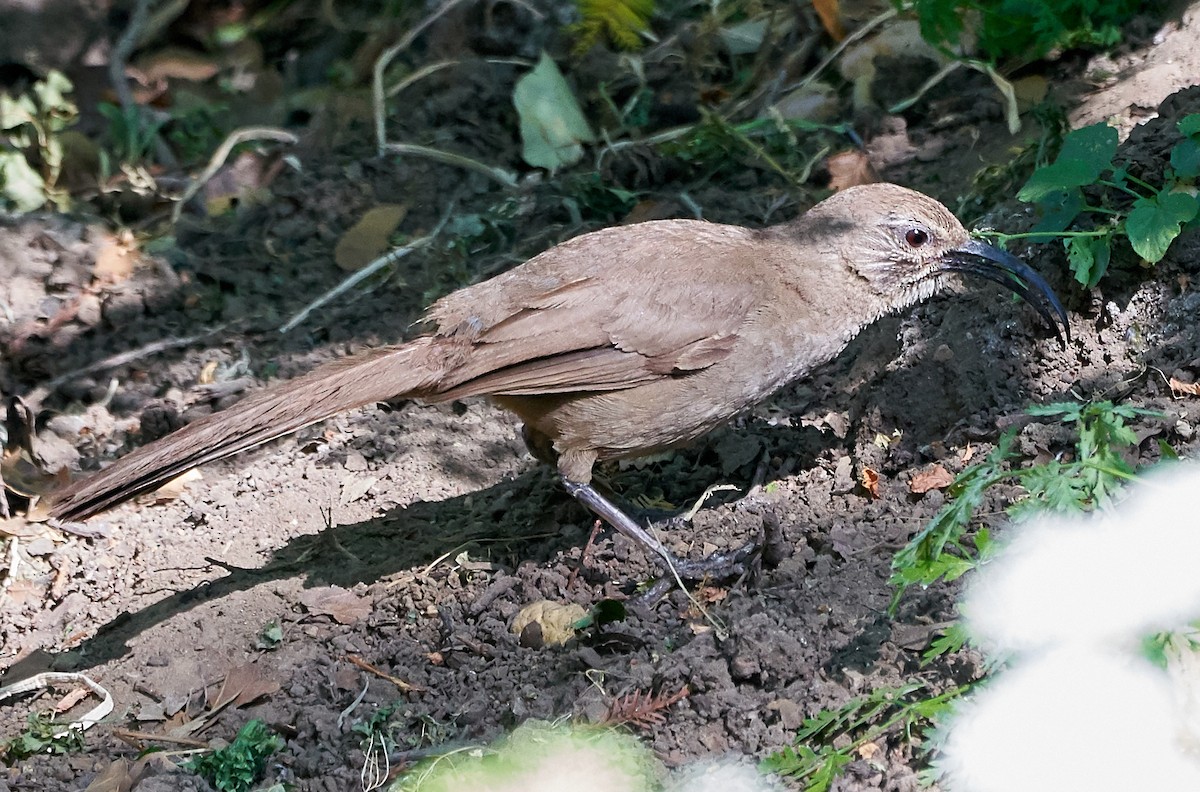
x,y
1005,238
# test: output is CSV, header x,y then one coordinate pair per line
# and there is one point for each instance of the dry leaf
x,y
208,374
242,182
179,64
883,441
243,684
71,699
22,476
115,257
114,778
868,750
557,620
829,13
967,454
642,709
849,169
870,482
1180,388
1030,91
151,712
711,594
172,489
369,237
933,477
355,487
22,528
24,592
652,209
343,606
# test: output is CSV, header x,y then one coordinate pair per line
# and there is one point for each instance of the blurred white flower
x,y
557,757
723,776
1075,718
1069,601
1108,578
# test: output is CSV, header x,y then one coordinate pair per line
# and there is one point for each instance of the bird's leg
x,y
642,515
717,565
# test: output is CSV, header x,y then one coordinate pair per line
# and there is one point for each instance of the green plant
x,y
270,637
196,131
620,21
788,147
416,730
1021,29
42,735
31,148
1150,217
940,551
237,766
379,726
588,197
1090,479
131,133
996,183
852,726
469,240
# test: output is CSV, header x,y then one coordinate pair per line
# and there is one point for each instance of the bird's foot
x,y
718,566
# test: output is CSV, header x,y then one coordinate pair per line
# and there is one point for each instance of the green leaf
x,y
1185,158
20,185
1154,222
924,559
1066,411
745,38
1086,153
952,639
52,93
237,766
941,23
1089,258
1051,486
1189,125
270,637
553,128
1059,209
14,112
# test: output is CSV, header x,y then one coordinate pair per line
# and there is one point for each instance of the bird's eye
x,y
915,237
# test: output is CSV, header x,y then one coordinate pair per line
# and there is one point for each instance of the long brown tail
x,y
378,375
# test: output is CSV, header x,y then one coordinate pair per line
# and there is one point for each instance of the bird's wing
x,y
667,308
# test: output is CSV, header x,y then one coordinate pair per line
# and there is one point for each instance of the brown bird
x,y
624,341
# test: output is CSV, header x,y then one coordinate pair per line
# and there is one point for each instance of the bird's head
x,y
905,246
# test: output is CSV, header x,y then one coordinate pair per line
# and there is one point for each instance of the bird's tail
x,y
378,375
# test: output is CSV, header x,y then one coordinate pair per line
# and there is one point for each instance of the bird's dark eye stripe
x,y
915,237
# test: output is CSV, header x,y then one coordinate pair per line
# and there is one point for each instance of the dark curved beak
x,y
985,261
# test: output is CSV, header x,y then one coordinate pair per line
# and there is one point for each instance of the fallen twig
x,y
222,153
364,273
385,59
35,398
49,678
405,687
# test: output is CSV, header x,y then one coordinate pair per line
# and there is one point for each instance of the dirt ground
x,y
407,537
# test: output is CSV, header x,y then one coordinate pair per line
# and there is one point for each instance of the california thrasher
x,y
624,341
